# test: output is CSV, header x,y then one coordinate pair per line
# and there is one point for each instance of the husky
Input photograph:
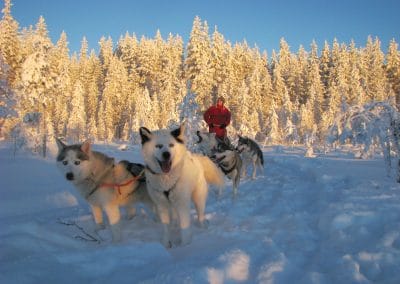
x,y
175,176
103,184
224,155
251,154
207,143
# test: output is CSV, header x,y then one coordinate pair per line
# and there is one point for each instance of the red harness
x,y
118,186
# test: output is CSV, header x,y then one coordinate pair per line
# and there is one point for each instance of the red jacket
x,y
217,118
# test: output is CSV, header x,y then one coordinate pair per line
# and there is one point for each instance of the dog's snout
x,y
69,176
166,155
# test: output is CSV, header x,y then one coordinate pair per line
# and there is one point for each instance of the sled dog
x,y
207,143
175,176
102,183
251,154
228,160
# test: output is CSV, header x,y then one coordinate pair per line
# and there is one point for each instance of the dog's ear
x,y
179,133
86,147
145,134
60,144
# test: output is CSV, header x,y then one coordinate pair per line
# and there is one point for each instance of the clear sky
x,y
260,22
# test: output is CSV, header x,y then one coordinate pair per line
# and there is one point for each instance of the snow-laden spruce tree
x,y
273,135
291,135
7,97
393,69
36,87
373,125
10,43
76,126
198,64
190,114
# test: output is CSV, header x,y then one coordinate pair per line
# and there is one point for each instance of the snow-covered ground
x,y
329,219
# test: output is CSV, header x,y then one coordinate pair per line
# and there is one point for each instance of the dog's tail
x,y
212,173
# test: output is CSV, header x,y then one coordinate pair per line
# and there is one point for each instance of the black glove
x,y
222,126
211,125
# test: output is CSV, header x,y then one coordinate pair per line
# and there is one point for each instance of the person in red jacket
x,y
218,118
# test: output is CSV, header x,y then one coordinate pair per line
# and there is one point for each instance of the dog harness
x,y
114,185
96,183
226,172
118,186
165,192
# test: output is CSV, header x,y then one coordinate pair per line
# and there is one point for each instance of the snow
x,y
328,219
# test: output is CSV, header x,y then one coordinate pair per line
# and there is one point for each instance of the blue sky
x,y
260,22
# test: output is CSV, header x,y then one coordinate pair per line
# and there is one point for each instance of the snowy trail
x,y
330,219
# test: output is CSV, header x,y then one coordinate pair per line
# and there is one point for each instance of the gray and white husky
x,y
224,155
102,183
174,177
251,154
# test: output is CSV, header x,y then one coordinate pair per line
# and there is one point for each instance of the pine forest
x,y
284,97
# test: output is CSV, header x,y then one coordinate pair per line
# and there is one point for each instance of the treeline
x,y
283,97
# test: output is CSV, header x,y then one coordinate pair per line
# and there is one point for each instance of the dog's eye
x,y
65,163
159,146
77,162
171,145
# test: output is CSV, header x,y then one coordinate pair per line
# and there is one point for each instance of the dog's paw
x,y
186,236
204,224
99,227
116,233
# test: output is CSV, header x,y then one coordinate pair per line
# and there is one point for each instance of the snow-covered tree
x,y
248,125
273,133
76,126
115,95
7,99
393,69
281,93
325,65
191,115
287,64
291,135
373,72
172,85
101,126
356,94
10,45
92,90
60,65
307,122
198,64
315,93
219,62
301,76
142,83
38,81
373,125
265,93
105,57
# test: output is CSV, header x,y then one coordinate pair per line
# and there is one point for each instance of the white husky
x,y
103,184
174,176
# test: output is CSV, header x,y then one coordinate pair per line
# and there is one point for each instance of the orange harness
x,y
118,186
